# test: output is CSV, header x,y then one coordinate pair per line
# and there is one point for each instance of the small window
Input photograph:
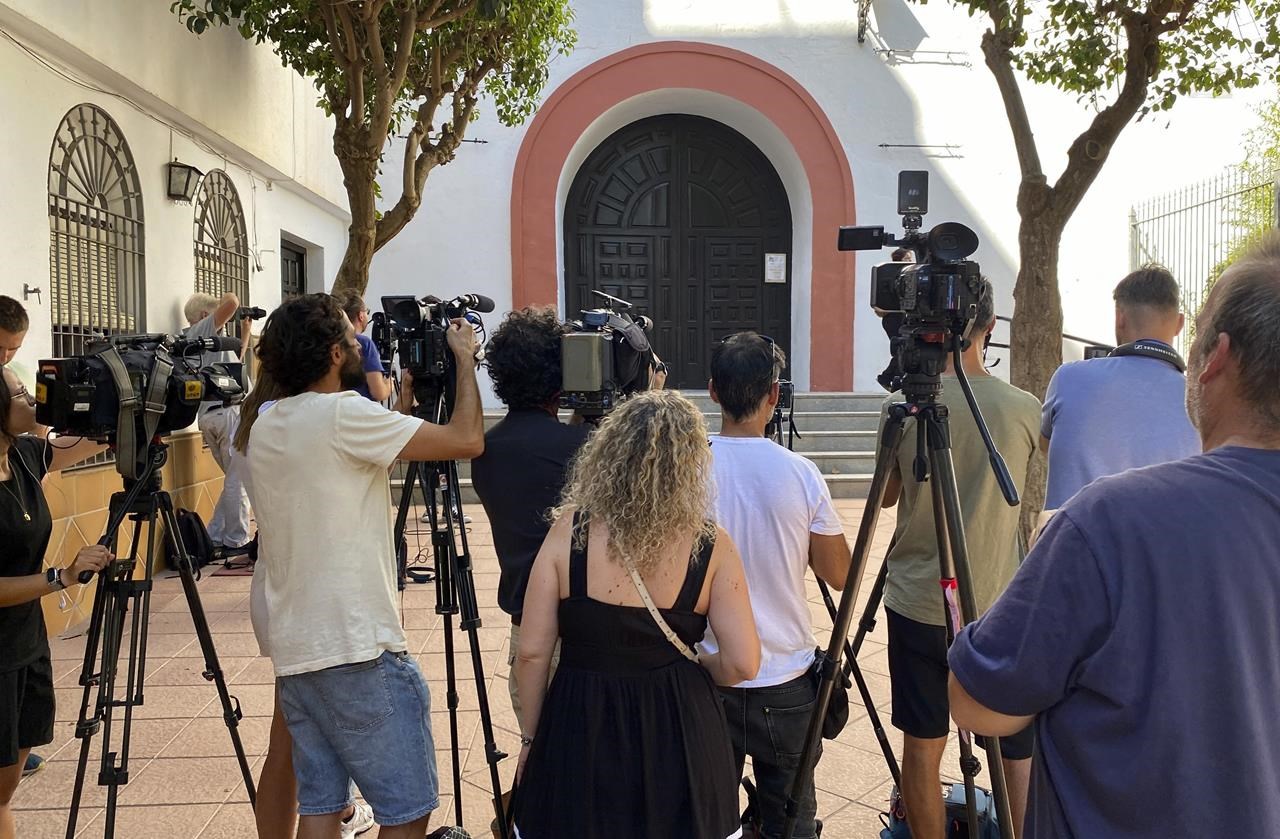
x,y
293,270
222,249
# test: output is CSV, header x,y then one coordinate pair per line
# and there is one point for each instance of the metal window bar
x,y
1196,231
96,241
221,246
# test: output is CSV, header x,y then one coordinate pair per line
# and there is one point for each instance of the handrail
x,y
1085,341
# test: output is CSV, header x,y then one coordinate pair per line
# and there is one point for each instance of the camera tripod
x,y
145,504
924,360
455,595
850,670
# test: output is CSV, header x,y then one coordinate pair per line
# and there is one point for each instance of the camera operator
x,y
522,472
355,703
26,672
376,384
1141,632
229,526
1106,415
913,599
776,506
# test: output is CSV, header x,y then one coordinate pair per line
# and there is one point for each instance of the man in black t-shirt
x,y
522,472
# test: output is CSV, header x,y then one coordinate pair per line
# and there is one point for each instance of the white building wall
x,y
940,96
248,115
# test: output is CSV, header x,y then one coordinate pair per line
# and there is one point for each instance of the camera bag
x,y
195,538
895,821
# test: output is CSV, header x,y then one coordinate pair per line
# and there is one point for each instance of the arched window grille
x,y
96,244
222,248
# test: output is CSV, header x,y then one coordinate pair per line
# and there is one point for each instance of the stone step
x,y
834,441
806,402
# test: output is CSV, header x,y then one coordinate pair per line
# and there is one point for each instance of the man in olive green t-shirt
x,y
913,597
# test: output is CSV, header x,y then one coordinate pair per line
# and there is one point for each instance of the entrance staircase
x,y
837,432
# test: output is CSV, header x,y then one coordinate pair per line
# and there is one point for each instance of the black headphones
x,y
1147,348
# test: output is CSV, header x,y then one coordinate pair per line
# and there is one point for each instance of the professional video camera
x,y
605,358
129,390
250,312
938,293
416,328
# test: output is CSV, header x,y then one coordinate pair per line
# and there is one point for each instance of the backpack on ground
x,y
195,538
895,821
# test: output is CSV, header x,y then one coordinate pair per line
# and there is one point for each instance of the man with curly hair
x,y
522,472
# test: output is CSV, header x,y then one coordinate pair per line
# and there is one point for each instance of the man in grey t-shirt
x,y
1105,415
229,527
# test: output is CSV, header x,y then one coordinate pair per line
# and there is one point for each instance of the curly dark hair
x,y
296,342
523,358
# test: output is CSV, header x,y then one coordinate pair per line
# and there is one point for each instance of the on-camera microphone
x,y
475,302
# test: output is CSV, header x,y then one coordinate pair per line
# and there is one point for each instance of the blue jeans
x,y
770,725
368,722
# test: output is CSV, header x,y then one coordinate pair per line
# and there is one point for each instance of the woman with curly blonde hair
x,y
631,738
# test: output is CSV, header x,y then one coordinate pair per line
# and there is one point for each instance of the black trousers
x,y
770,724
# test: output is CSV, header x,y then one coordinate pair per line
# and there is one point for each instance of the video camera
x,y
416,329
605,358
938,293
129,390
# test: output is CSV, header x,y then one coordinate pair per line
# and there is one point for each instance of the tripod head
x,y
923,350
147,483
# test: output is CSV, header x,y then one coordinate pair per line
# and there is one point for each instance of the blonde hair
x,y
198,306
645,474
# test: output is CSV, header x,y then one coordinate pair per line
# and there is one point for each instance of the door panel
x,y
676,213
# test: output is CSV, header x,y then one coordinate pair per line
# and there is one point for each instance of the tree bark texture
x,y
359,171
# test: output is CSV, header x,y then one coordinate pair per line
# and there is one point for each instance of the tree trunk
x,y
359,171
1036,335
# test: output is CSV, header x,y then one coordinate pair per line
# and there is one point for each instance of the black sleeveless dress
x,y
632,742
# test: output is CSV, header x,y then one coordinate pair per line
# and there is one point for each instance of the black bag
x,y
195,538
895,821
838,706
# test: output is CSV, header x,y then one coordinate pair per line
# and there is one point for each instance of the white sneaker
x,y
361,821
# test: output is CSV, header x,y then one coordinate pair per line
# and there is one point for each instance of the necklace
x,y
18,496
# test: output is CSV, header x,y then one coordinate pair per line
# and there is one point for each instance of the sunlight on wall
x,y
750,18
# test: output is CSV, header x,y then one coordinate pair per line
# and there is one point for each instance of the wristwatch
x,y
54,578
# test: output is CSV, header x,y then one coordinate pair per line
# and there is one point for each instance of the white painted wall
x,y
287,180
942,95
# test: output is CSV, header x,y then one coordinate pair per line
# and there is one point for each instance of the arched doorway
x,y
688,220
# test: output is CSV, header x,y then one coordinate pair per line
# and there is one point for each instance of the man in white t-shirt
x,y
354,700
776,506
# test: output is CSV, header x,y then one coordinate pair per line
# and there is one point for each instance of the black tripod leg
x,y
402,520
446,607
890,439
465,589
946,498
868,622
851,668
212,669
86,726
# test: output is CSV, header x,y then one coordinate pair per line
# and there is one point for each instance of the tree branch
x,y
436,20
999,59
354,69
1090,150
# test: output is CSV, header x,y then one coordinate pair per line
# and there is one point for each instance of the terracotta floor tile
x,y
176,672
52,823
209,737
171,820
184,781
232,821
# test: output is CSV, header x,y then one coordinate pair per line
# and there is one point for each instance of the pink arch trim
x,y
592,91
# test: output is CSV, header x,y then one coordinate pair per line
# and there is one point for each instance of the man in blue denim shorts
x,y
354,700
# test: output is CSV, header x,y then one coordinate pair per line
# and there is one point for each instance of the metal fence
x,y
1196,231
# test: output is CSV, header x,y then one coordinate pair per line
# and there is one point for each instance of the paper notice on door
x,y
775,268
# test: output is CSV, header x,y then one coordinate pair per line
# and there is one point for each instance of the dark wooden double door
x,y
676,214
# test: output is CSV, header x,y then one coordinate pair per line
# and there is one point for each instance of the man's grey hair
x,y
1249,311
199,305
986,314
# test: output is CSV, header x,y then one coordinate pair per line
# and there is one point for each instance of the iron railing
x,y
1197,230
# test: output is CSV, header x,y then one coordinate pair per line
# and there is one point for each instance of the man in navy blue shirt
x,y
376,385
1142,631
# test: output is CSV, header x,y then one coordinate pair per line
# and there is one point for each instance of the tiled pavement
x,y
185,782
